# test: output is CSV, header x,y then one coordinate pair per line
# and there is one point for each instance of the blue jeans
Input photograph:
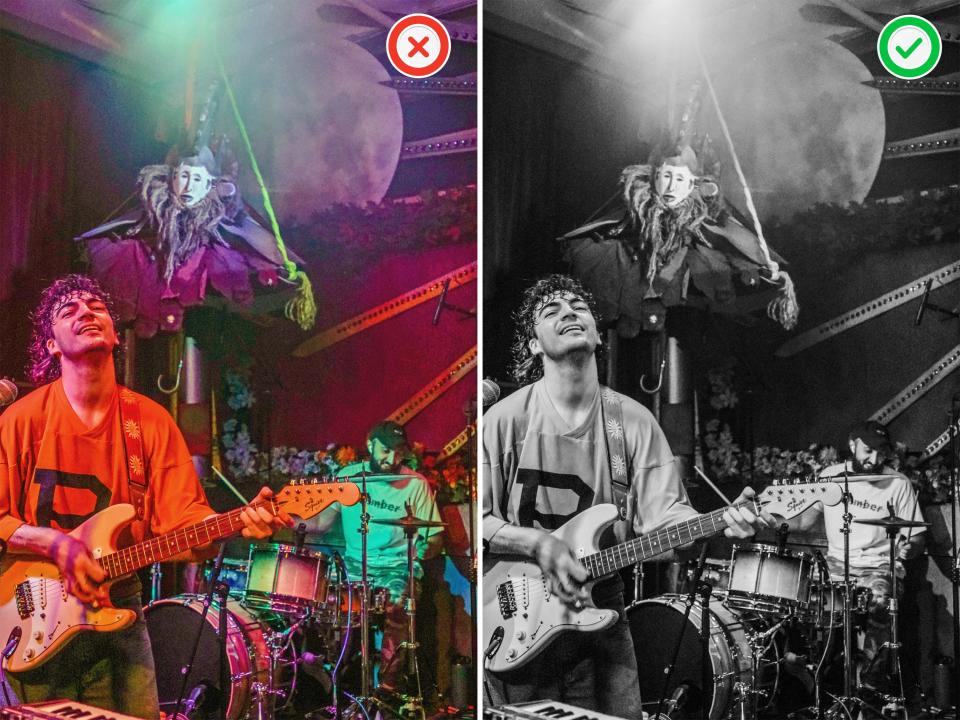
x,y
595,671
109,670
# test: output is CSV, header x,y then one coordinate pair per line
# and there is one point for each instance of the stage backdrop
x,y
336,394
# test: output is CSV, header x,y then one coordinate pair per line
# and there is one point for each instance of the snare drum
x,y
282,579
767,580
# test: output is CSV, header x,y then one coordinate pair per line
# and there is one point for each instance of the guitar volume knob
x,y
521,635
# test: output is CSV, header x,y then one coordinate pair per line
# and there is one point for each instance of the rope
x,y
302,309
784,308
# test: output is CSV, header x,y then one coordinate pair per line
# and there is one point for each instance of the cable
x,y
364,710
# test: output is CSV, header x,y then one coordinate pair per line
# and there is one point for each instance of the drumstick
x,y
713,487
229,485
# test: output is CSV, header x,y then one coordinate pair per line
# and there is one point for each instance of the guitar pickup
x,y
507,601
25,606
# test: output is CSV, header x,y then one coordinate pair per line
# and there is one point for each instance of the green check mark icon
x,y
909,51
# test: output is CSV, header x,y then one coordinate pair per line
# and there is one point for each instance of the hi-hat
x,y
892,522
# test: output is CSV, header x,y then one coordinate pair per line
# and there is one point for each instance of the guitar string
x,y
125,561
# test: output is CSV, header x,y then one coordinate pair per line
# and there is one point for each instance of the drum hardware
x,y
892,525
265,694
411,525
156,576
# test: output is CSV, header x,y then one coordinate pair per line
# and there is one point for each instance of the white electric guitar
x,y
520,615
36,608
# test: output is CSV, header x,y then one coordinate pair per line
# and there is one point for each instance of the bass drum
x,y
172,624
656,625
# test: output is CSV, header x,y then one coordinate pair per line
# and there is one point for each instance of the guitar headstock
x,y
305,497
789,499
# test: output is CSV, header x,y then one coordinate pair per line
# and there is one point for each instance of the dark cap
x,y
873,434
391,434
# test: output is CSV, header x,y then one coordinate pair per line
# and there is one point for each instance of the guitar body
x,y
33,596
517,607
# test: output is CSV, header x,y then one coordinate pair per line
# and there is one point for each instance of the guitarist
x,y
63,457
545,460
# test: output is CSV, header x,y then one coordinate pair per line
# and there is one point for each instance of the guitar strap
x,y
611,409
133,448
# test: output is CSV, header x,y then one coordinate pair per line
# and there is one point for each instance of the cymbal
x,y
409,522
377,477
854,477
893,522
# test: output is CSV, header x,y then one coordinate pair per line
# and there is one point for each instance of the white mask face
x,y
191,184
673,183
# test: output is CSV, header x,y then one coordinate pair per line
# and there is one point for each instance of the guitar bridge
x,y
507,601
25,606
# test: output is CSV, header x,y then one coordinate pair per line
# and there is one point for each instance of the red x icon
x,y
418,45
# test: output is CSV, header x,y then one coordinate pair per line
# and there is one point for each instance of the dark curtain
x,y
556,136
72,136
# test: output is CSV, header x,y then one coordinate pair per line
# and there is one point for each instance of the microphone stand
x,y
706,667
187,669
691,598
364,593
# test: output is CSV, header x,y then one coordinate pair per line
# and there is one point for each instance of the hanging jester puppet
x,y
191,228
670,231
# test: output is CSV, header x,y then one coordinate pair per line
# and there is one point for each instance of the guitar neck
x,y
656,543
164,547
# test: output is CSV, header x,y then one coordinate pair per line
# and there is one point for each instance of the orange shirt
x,y
56,472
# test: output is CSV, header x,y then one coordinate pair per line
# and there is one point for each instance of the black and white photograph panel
x,y
721,291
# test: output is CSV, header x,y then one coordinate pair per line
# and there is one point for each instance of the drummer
x,y
386,544
871,451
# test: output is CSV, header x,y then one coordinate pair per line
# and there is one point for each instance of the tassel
x,y
784,309
302,309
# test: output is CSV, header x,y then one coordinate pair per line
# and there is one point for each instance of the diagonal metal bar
x,y
919,387
903,294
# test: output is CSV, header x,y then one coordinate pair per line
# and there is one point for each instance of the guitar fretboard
x,y
164,547
657,542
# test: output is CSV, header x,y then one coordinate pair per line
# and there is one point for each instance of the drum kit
x,y
765,598
284,611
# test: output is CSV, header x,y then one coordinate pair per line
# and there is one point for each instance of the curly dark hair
x,y
525,367
43,367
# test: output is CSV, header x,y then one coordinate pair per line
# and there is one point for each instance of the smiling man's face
x,y
80,324
564,325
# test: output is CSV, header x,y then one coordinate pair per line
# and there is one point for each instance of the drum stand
x,y
265,694
747,694
848,702
413,705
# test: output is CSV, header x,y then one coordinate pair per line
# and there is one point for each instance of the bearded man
x,y
671,230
